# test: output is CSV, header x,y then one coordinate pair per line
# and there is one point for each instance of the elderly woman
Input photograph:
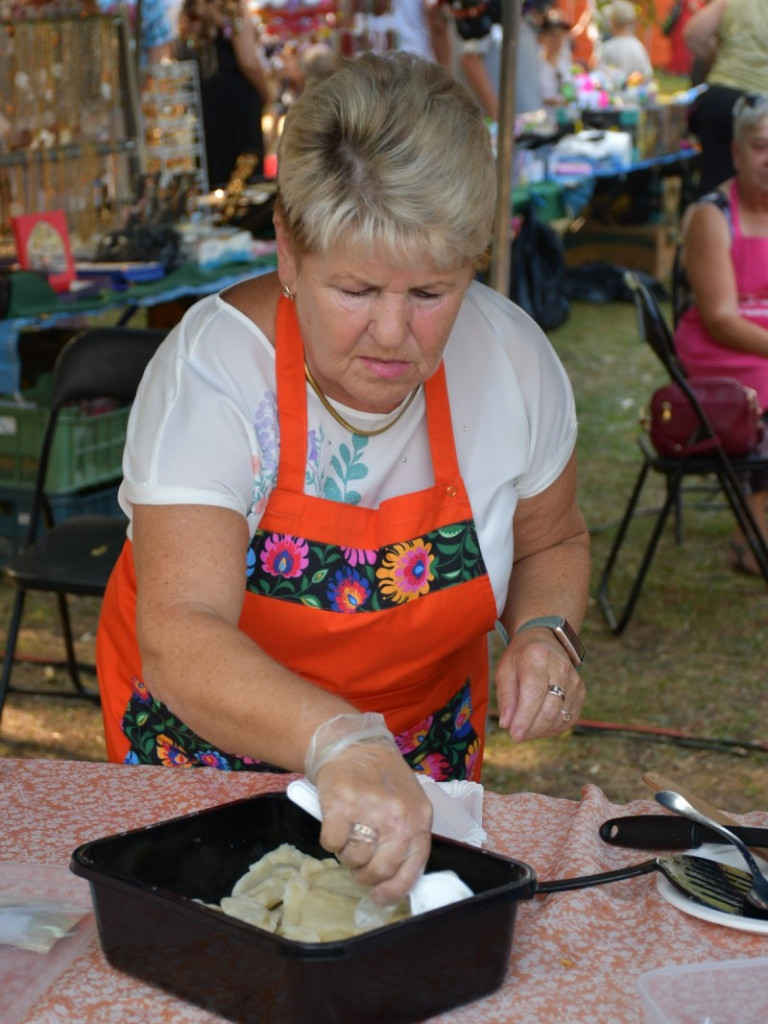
x,y
338,476
724,331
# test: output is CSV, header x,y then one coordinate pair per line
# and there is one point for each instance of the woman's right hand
x,y
369,784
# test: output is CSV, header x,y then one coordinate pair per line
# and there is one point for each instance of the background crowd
x,y
247,69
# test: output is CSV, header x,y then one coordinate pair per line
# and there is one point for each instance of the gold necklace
x,y
340,419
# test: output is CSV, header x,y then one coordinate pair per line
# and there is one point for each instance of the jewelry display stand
x,y
69,136
174,140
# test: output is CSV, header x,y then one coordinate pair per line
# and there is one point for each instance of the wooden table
x,y
575,956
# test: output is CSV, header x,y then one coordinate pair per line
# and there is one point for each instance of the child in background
x,y
624,50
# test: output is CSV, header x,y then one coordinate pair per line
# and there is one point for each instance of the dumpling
x,y
328,915
251,912
300,897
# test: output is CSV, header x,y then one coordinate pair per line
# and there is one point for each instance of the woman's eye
x,y
427,295
355,293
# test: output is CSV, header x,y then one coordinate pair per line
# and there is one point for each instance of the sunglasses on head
x,y
750,100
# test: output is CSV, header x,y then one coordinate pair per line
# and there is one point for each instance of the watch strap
x,y
561,628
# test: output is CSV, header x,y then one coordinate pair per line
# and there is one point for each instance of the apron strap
x,y
292,407
291,398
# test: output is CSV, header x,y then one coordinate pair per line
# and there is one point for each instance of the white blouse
x,y
203,429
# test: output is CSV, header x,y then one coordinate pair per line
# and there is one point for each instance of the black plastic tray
x,y
143,884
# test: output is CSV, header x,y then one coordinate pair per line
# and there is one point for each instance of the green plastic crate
x,y
87,449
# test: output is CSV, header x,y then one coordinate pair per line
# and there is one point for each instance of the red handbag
x,y
729,405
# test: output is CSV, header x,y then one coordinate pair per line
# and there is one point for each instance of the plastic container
x,y
87,448
717,992
25,975
143,884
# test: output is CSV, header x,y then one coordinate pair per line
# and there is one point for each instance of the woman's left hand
x,y
530,676
539,692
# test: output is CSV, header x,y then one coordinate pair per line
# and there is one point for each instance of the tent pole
x,y
511,13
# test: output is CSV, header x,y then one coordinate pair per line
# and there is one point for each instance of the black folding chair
x,y
681,290
74,556
725,470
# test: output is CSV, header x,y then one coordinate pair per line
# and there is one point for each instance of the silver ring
x,y
557,691
360,833
567,715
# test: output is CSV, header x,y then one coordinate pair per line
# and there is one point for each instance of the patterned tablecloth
x,y
575,956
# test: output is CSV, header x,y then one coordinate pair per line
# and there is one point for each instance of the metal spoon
x,y
758,894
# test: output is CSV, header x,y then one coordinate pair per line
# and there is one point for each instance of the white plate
x,y
726,854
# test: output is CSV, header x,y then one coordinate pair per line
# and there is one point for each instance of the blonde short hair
x,y
622,12
391,153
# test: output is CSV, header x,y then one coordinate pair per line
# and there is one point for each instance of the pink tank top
x,y
701,355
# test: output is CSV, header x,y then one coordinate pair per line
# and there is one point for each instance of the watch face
x,y
570,640
564,632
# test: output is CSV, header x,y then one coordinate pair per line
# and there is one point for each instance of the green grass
x,y
693,657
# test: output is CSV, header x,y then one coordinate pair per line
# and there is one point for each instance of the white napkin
x,y
457,807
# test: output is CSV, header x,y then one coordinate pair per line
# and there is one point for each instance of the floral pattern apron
x,y
388,607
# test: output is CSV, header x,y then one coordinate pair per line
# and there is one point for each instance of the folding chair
x,y
74,556
681,290
724,469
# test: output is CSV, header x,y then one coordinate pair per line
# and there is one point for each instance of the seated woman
x,y
724,331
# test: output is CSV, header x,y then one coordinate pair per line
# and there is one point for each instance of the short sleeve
x,y
202,429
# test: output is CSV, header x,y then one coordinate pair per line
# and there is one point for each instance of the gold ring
x,y
567,715
360,833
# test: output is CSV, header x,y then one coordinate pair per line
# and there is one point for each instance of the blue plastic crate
x,y
15,507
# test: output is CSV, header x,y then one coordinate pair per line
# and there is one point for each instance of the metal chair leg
x,y
734,493
618,623
69,644
10,645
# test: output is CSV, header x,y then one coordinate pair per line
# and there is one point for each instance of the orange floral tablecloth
x,y
575,956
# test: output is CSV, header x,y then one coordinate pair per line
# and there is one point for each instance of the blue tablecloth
x,y
566,196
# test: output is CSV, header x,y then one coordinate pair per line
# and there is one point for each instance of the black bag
x,y
601,281
538,267
474,21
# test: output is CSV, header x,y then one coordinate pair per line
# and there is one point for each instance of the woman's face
x,y
750,157
372,331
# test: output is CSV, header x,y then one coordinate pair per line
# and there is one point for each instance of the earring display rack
x,y
172,114
69,134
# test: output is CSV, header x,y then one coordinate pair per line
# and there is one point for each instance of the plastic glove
x,y
361,778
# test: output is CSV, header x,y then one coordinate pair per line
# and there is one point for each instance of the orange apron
x,y
388,607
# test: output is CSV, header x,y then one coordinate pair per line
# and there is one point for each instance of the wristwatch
x,y
564,632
